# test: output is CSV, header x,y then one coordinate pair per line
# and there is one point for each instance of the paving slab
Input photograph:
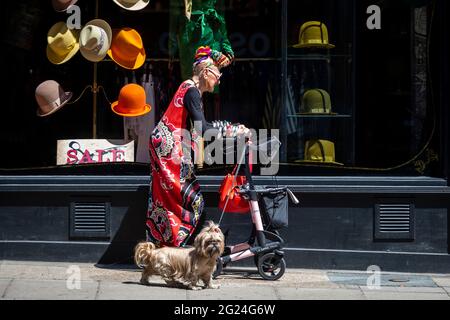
x,y
299,277
447,289
137,291
385,280
8,271
50,290
48,280
61,271
402,295
319,294
4,284
405,289
230,292
442,281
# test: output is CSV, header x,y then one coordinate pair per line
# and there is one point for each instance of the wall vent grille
x,y
394,221
89,219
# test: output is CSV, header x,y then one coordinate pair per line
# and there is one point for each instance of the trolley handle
x,y
292,196
271,190
280,190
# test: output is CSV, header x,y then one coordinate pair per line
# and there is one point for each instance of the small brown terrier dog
x,y
183,266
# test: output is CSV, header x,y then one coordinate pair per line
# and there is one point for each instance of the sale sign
x,y
80,151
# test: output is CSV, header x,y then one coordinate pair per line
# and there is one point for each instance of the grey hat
x,y
50,97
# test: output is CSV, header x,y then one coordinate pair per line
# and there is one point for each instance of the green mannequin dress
x,y
206,27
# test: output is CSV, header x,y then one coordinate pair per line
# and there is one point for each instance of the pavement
x,y
35,280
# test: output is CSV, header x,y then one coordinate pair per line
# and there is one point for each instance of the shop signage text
x,y
80,151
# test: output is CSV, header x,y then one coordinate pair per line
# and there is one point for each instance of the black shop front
x,y
357,94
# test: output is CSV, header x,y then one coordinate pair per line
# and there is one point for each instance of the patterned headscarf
x,y
205,52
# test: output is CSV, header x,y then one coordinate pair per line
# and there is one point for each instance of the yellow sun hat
x,y
62,43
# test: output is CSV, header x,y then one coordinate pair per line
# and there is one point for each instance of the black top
x,y
193,103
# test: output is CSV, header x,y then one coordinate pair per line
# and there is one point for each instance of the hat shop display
x,y
50,97
132,5
95,40
313,34
62,43
316,102
320,152
62,5
127,49
132,102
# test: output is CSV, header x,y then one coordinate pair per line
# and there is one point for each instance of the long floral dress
x,y
175,202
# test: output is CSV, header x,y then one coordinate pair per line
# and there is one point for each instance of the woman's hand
x,y
243,130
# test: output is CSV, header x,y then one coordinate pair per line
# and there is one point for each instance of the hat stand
x,y
94,90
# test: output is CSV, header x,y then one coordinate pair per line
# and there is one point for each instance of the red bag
x,y
228,189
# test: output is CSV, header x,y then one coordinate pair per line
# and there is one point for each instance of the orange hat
x,y
131,102
127,49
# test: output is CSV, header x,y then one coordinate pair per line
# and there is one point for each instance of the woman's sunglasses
x,y
217,75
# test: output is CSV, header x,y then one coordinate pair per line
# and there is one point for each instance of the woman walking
x,y
175,202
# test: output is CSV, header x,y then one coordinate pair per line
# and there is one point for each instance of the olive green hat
x,y
316,102
320,152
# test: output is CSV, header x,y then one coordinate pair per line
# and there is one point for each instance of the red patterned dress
x,y
175,201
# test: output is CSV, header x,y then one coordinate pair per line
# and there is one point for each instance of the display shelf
x,y
318,78
345,116
317,57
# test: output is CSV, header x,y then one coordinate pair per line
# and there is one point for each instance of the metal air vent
x,y
394,221
89,219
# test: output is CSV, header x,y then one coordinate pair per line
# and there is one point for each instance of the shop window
x,y
354,99
358,95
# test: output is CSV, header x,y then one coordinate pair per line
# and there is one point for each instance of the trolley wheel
x,y
219,268
271,266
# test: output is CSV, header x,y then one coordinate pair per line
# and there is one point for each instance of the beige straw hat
x,y
132,5
95,40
